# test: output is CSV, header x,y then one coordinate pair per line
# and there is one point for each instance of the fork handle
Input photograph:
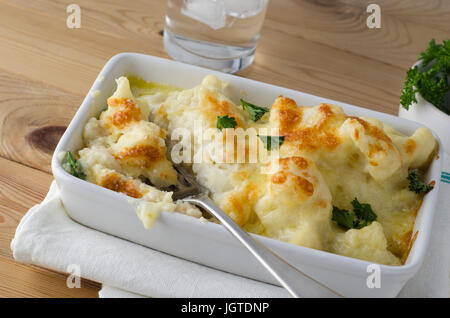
x,y
296,282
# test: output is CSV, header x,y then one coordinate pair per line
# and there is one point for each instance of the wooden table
x,y
322,47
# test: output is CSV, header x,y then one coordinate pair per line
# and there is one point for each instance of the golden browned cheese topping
x,y
291,121
410,146
312,139
373,150
115,182
239,203
214,108
298,183
279,177
300,162
290,115
238,209
127,112
373,131
325,114
356,134
146,155
304,185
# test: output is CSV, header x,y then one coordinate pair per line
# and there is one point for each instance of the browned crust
x,y
418,208
215,108
127,111
279,178
310,138
290,115
305,186
241,203
147,155
409,146
411,243
114,181
300,162
373,131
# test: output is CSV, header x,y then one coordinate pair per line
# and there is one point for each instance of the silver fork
x,y
296,282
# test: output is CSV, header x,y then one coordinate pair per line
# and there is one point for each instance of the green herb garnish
x,y
226,122
360,217
73,167
344,218
272,142
431,79
256,112
364,213
417,186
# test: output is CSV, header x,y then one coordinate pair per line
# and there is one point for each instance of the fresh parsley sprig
x,y
226,122
431,79
361,216
343,217
73,167
256,112
272,142
364,214
417,186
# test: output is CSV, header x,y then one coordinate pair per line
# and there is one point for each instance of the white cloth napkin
x,y
47,237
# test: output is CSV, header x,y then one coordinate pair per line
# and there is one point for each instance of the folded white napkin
x,y
47,237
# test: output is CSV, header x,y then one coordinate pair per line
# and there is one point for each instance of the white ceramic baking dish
x,y
208,243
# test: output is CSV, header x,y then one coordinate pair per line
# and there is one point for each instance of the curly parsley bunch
x,y
431,79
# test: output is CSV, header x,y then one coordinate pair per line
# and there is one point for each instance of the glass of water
x,y
218,34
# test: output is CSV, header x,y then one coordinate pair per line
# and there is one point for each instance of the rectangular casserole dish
x,y
208,243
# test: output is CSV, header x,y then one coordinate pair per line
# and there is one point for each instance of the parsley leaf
x,y
361,216
364,213
226,122
410,87
431,79
73,167
343,217
256,112
272,142
417,186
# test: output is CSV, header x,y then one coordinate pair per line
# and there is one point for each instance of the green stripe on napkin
x,y
445,177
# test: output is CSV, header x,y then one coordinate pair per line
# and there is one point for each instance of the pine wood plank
x,y
432,13
341,24
22,187
407,25
18,280
33,117
45,50
59,53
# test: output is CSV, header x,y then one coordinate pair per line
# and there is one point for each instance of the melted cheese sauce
x,y
327,159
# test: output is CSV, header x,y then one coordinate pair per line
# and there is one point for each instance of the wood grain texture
x,y
342,25
20,188
33,117
431,13
321,47
330,38
18,280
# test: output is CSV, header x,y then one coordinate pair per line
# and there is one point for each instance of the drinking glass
x,y
218,34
